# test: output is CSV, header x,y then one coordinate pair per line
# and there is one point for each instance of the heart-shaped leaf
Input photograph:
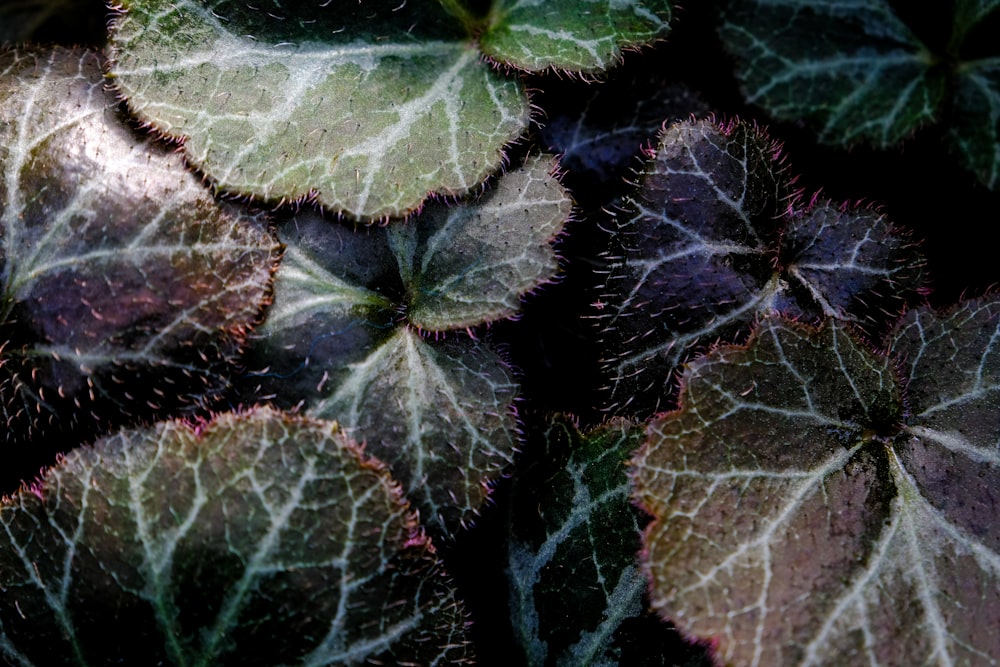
x,y
342,338
255,539
805,518
712,243
572,35
369,106
125,287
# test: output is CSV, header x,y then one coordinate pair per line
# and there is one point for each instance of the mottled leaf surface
x,y
575,584
343,338
368,106
805,518
572,35
870,78
125,287
712,240
255,539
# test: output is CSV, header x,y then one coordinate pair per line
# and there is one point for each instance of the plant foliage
x,y
115,265
871,77
805,516
203,545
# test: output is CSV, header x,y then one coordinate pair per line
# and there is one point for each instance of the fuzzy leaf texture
x,y
713,241
343,336
577,594
125,287
368,107
803,518
571,35
870,78
255,539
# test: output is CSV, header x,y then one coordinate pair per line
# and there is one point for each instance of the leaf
x,y
342,339
975,134
869,78
569,35
472,263
439,413
255,539
575,586
712,243
368,107
803,518
125,287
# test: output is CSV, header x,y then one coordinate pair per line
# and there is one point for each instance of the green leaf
x,y
256,539
368,107
803,518
575,586
472,263
440,415
712,243
124,287
572,35
868,79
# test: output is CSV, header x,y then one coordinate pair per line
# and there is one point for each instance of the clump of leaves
x,y
714,237
817,503
124,287
203,545
874,76
344,337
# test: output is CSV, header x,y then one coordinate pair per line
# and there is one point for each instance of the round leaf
x,y
868,79
255,539
368,106
125,287
804,519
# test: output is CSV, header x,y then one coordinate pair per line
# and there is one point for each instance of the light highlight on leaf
x,y
115,262
574,35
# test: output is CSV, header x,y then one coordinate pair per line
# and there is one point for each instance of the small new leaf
x,y
255,539
804,518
